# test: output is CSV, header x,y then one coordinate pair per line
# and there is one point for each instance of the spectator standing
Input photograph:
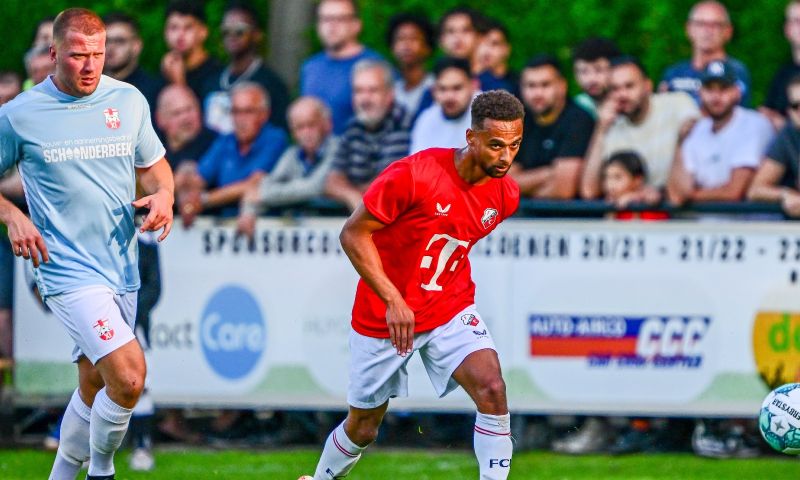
x,y
410,37
327,75
376,136
235,161
123,48
443,124
776,103
491,58
708,28
777,179
719,156
556,134
38,65
458,33
187,62
591,61
10,85
300,174
242,38
633,118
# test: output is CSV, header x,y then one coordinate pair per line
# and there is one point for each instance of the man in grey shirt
x,y
300,173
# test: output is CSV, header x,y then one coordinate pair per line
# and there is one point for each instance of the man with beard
x,y
327,74
443,124
376,136
123,48
633,118
241,38
591,62
556,135
719,156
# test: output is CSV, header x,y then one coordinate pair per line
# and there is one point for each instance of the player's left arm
x,y
159,187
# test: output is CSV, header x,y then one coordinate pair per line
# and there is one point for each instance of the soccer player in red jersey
x,y
409,241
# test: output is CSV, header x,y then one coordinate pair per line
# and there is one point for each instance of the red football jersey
x,y
433,219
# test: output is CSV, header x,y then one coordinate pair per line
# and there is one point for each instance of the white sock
x,y
73,445
108,426
338,457
493,445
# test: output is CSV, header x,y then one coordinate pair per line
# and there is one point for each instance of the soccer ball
x,y
779,420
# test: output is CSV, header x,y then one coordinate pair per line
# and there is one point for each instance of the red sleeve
x,y
391,193
510,198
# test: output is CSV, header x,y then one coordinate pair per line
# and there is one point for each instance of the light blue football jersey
x,y
77,157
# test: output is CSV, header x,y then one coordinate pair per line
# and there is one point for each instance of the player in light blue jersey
x,y
79,139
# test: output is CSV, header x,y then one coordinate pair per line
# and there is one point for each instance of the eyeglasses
x,y
236,31
794,105
118,40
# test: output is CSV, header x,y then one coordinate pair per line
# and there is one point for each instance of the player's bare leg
x,y
479,374
345,444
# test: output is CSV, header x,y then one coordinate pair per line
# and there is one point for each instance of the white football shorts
x,y
378,373
98,320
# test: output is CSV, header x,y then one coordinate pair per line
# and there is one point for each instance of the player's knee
x,y
492,394
127,387
362,431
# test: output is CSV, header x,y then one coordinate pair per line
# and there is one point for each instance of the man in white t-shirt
x,y
721,153
443,124
633,118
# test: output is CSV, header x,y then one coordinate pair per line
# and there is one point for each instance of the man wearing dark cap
x,y
556,135
719,156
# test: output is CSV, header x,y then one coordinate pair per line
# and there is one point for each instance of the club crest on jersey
x,y
488,218
104,330
112,118
442,211
470,320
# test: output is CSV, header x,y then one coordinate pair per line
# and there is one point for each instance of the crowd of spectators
x,y
241,145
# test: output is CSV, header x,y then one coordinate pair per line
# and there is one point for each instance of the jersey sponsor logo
x,y
470,320
442,211
448,252
88,152
112,118
480,333
232,332
104,330
489,217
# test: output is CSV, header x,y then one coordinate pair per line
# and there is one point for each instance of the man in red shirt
x,y
409,241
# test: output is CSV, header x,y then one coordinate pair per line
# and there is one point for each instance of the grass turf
x,y
417,465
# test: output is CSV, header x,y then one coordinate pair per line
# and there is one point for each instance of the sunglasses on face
x,y
237,31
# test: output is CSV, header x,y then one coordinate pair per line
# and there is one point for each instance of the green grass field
x,y
419,465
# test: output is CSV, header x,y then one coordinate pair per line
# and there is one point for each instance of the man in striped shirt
x,y
376,136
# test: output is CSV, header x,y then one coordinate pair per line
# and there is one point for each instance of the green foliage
x,y
652,30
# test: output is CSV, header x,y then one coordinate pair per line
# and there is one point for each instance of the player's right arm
x,y
356,239
26,241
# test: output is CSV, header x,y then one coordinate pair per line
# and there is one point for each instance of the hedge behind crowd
x,y
653,30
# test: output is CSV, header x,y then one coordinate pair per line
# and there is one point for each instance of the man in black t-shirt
x,y
123,48
187,62
242,38
777,179
556,134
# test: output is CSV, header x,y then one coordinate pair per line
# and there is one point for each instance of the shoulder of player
x,y
18,105
120,87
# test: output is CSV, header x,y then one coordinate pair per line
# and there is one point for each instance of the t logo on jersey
x,y
112,118
104,330
442,211
488,218
447,251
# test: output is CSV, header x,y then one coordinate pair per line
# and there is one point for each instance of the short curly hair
x,y
495,105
